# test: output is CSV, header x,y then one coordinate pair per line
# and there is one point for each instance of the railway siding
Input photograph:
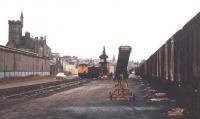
x,y
8,95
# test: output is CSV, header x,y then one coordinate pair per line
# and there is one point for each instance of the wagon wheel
x,y
110,95
133,96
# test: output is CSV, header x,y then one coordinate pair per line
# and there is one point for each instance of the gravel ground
x,y
91,101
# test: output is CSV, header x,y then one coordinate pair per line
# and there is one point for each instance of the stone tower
x,y
15,32
22,18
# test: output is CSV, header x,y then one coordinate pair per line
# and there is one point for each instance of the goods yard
x,y
84,97
164,86
91,101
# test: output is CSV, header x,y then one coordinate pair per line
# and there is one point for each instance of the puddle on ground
x,y
95,109
152,90
110,109
147,108
160,94
159,99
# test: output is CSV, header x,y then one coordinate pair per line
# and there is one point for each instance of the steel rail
x,y
40,91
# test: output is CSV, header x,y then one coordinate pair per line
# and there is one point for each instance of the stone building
x,y
28,43
55,64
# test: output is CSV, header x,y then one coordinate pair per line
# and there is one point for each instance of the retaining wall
x,y
20,63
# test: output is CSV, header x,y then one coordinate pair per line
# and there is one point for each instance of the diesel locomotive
x,y
86,71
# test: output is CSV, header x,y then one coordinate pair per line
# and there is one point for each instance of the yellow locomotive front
x,y
82,70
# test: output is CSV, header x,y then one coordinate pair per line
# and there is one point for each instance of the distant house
x,y
69,64
55,64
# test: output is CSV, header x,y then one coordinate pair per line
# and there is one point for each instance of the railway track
x,y
4,99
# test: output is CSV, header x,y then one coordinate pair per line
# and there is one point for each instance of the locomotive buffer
x,y
121,90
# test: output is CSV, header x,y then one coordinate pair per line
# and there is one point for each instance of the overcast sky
x,y
83,27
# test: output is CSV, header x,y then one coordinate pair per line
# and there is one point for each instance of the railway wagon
x,y
122,62
176,65
93,72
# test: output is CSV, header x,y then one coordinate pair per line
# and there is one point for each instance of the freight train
x,y
86,71
176,66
